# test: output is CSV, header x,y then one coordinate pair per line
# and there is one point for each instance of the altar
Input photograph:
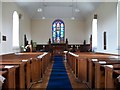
x,y
58,49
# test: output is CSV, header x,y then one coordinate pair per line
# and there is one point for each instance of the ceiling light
x,y
39,9
77,10
73,18
43,17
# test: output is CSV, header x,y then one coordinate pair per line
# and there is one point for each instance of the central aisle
x,y
59,77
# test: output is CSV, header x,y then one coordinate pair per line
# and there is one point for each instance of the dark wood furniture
x,y
100,72
20,72
31,68
111,76
57,49
43,48
10,75
84,68
85,48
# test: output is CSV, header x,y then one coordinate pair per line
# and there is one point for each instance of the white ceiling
x,y
59,9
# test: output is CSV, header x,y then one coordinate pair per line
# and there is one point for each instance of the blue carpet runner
x,y
59,79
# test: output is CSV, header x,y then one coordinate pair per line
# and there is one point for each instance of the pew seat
x,y
10,76
100,72
112,76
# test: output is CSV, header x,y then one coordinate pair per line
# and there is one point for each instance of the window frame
x,y
61,41
94,33
15,34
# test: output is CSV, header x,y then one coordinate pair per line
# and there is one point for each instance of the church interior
x,y
59,44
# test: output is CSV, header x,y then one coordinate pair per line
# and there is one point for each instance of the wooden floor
x,y
75,83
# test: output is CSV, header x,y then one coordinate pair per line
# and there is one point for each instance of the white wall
x,y
119,26
107,21
88,28
42,30
0,25
75,31
25,25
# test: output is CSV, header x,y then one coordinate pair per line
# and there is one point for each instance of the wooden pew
x,y
117,81
44,61
84,67
38,67
27,74
91,71
25,55
73,63
81,63
100,72
10,76
111,74
35,70
30,72
3,73
20,72
26,71
34,66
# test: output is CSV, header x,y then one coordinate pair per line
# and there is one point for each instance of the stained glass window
x,y
58,31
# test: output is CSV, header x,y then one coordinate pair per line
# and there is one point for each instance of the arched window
x,y
94,33
58,31
15,30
